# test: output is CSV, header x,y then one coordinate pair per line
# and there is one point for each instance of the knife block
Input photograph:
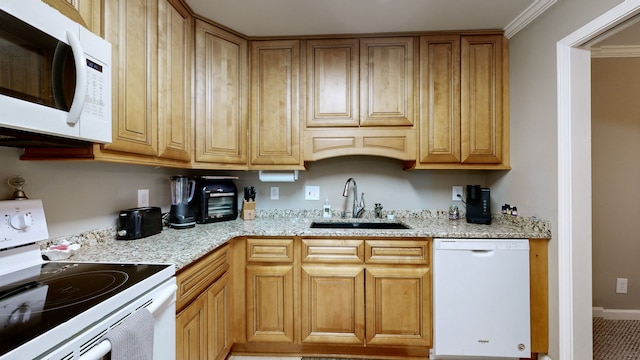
x,y
248,210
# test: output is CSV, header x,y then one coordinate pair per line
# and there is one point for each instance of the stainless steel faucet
x,y
358,208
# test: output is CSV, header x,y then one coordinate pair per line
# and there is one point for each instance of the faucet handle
x,y
362,201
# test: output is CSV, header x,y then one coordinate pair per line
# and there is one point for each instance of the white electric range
x,y
62,309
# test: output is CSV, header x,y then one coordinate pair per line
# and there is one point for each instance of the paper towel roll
x,y
278,176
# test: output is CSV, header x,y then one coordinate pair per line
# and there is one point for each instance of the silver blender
x,y
182,189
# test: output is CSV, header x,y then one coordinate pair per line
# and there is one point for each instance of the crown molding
x,y
615,51
528,15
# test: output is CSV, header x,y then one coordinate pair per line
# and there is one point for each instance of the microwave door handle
x,y
81,79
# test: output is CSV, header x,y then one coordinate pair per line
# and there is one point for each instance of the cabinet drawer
x,y
196,278
396,251
270,250
332,250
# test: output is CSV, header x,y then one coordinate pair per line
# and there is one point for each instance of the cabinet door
x,y
275,104
387,81
398,305
270,301
440,98
191,330
131,27
333,304
175,55
218,313
91,13
222,96
332,82
482,99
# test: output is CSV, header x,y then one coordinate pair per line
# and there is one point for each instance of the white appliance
x,y
62,309
481,299
55,75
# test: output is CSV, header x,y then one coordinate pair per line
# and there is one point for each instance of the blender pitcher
x,y
182,189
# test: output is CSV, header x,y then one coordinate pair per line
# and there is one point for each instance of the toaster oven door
x,y
221,206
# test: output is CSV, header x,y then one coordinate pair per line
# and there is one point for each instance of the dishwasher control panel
x,y
481,244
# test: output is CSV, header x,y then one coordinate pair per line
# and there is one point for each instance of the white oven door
x,y
90,344
163,309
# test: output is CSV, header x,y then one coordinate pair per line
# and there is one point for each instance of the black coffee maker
x,y
478,205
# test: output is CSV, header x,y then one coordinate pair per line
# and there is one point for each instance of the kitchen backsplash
x,y
85,195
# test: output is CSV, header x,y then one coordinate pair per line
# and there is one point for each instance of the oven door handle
x,y
104,347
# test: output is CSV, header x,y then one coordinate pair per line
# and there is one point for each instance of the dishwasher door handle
x,y
483,252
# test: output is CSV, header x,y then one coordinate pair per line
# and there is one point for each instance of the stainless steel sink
x,y
358,225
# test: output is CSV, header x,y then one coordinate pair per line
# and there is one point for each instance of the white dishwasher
x,y
481,298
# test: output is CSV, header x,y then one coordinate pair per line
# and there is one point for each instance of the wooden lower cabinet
x,y
218,319
348,296
270,303
204,308
202,329
191,330
332,307
269,284
398,306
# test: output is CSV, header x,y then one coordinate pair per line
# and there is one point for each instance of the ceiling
x,y
323,17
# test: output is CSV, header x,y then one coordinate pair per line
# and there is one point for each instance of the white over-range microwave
x,y
55,75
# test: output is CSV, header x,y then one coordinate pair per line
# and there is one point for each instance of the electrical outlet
x,y
143,197
621,285
457,190
275,193
312,193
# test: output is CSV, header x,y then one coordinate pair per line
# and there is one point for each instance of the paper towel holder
x,y
278,176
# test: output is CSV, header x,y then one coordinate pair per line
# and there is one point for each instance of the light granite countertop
x,y
183,246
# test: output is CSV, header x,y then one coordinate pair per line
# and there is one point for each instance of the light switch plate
x,y
143,197
312,193
275,193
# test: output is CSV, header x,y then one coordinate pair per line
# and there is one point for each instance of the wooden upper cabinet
x,y
222,96
132,27
440,98
464,117
152,50
482,99
333,82
175,57
90,12
275,104
387,83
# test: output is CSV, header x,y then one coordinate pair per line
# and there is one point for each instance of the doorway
x,y
574,178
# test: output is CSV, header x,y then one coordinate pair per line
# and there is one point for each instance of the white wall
x,y
533,80
615,84
381,179
83,195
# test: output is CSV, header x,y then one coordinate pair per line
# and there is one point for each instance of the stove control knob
x,y
21,221
19,316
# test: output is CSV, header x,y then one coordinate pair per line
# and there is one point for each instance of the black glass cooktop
x,y
35,300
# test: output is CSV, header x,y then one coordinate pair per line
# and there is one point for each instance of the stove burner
x,y
77,288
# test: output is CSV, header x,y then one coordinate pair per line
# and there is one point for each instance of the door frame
x,y
574,182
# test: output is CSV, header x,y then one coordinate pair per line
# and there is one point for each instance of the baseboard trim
x,y
616,314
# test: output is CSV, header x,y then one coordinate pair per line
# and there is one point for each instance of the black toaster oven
x,y
214,200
